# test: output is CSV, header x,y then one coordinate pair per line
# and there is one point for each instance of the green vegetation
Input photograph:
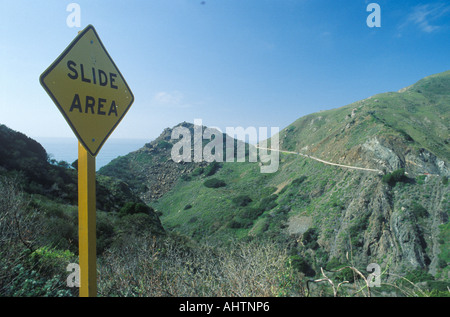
x,y
30,266
242,200
177,268
226,229
418,275
444,255
394,177
298,181
356,231
164,145
342,272
418,210
421,179
26,161
300,264
198,171
132,208
214,183
212,168
310,239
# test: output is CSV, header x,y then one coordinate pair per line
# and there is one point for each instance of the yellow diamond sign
x,y
89,90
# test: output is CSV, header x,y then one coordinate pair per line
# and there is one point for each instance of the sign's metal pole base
x,y
86,223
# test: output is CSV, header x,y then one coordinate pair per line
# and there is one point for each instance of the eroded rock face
x,y
410,239
381,155
377,223
392,154
426,162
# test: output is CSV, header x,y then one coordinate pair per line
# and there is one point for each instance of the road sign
x,y
88,89
91,93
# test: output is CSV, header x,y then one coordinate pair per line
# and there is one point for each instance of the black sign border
x,y
55,100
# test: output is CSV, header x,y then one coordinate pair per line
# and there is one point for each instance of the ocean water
x,y
66,149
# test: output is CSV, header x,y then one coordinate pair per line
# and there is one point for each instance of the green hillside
x,y
413,119
26,161
39,218
325,212
362,185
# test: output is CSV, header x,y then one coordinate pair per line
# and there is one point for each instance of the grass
x,y
347,207
213,207
304,187
312,191
419,115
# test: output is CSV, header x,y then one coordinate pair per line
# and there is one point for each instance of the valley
x,y
361,186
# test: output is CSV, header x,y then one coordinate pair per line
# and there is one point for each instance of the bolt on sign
x,y
88,89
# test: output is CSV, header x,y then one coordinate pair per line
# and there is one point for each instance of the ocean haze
x,y
66,149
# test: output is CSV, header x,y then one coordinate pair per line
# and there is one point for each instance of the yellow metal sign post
x,y
92,95
87,223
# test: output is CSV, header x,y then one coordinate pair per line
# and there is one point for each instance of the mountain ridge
x,y
323,212
376,125
348,210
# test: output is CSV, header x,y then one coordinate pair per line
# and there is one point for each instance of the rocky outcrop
x,y
389,154
382,156
380,224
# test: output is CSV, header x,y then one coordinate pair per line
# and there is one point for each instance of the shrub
x,y
32,283
137,224
268,203
421,179
239,223
251,213
356,231
132,208
419,275
343,275
27,267
59,232
51,260
310,239
193,219
332,264
188,206
242,200
394,177
197,171
105,233
298,181
445,180
186,177
214,183
164,145
171,267
212,168
418,210
346,274
442,263
301,265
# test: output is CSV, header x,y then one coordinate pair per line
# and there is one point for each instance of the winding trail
x,y
323,161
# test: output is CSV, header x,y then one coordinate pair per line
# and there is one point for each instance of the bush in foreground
x,y
148,267
214,183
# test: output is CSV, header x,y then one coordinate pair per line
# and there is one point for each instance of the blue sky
x,y
231,63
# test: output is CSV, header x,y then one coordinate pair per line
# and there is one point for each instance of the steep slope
x,y
327,213
151,172
408,129
25,160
